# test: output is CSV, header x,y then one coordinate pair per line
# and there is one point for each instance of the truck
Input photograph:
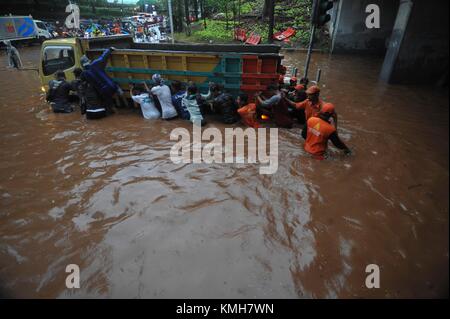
x,y
23,28
43,33
15,28
239,68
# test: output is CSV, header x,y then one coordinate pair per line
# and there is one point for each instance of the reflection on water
x,y
106,196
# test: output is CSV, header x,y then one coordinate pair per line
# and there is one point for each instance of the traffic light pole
x,y
308,56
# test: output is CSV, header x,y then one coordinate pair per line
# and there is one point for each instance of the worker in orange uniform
x,y
320,131
247,111
312,106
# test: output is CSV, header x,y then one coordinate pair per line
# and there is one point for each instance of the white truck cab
x,y
43,33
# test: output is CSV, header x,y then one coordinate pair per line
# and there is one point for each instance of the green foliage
x,y
215,31
103,12
247,7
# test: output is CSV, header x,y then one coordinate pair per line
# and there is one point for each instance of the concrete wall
x,y
349,31
423,54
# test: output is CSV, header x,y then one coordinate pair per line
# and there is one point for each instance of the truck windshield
x,y
41,25
57,58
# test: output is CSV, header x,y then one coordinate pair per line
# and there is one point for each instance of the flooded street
x,y
106,196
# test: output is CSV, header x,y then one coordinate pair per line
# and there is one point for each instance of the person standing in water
x,y
95,73
162,92
312,106
77,87
320,131
142,96
190,103
93,104
177,97
247,111
58,93
14,60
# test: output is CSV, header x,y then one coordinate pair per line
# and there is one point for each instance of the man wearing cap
x,y
299,94
96,75
320,131
162,92
311,106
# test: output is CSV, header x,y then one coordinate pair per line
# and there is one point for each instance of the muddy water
x,y
105,195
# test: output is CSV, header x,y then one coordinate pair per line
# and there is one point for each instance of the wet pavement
x,y
105,195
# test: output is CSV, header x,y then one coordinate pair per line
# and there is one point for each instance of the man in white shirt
x,y
145,100
162,92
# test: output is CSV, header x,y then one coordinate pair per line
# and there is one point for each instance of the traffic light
x,y
320,15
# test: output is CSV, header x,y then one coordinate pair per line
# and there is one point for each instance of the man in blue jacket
x,y
94,72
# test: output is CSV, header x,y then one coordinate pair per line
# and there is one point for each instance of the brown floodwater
x,y
105,195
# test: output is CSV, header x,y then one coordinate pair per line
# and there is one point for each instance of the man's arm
x,y
259,99
67,87
274,100
334,138
49,95
208,95
291,103
101,61
74,85
146,87
301,105
154,90
335,118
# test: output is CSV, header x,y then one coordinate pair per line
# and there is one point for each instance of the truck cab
x,y
65,54
42,31
58,54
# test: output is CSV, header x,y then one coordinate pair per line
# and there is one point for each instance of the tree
x,y
226,15
188,18
195,3
179,16
239,12
93,6
202,12
271,20
266,8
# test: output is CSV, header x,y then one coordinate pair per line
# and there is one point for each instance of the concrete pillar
x,y
336,17
398,33
350,33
